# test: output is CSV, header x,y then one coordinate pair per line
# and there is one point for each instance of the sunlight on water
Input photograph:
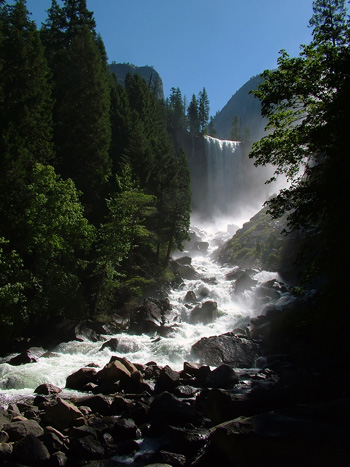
x,y
211,285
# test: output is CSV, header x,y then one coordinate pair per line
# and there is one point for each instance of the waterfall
x,y
225,175
224,181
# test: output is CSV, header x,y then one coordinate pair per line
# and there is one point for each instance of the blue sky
x,y
216,44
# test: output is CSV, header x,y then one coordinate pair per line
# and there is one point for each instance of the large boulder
x,y
63,414
31,451
227,348
80,378
23,358
312,435
21,428
205,313
153,316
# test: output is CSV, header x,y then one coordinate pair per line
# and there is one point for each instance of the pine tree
x,y
236,132
306,102
193,116
82,93
203,110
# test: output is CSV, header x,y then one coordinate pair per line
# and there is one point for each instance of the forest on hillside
x,y
94,191
95,187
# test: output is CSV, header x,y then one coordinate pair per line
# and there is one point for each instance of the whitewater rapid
x,y
212,284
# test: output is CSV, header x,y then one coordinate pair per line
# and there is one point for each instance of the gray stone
x,y
227,348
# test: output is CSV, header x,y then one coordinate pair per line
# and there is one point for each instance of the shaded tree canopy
x,y
306,103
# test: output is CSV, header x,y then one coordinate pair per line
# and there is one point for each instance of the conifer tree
x,y
203,110
193,116
306,102
82,94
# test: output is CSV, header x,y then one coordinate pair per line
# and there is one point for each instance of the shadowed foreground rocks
x,y
132,414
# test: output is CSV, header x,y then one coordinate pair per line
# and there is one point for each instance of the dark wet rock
x,y
47,389
316,433
63,414
168,379
205,313
80,378
125,428
235,274
111,344
184,260
186,441
220,405
228,349
149,317
119,405
31,451
185,391
187,272
190,297
167,458
86,448
222,377
58,459
4,437
114,371
168,409
244,283
18,429
54,440
97,403
5,451
23,358
5,417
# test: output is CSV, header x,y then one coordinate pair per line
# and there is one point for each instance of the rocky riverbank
x,y
133,414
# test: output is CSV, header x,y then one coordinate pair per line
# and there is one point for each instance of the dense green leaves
x,y
65,252
306,102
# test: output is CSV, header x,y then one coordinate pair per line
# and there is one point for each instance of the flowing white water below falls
x,y
233,311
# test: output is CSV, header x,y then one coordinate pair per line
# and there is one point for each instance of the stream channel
x,y
19,382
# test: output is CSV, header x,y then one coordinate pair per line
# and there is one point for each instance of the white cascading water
x,y
20,381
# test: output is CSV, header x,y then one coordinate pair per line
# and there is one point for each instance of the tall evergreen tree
x,y
306,102
193,116
203,110
82,93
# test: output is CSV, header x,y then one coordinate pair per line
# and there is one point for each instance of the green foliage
x,y
64,252
306,103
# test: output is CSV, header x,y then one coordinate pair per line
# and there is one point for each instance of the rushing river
x,y
20,381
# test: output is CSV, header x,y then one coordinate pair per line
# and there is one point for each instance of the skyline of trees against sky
x,y
94,190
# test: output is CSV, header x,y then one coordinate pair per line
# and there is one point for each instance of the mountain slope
x,y
151,76
247,107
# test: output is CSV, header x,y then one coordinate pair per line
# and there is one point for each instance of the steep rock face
x,y
246,107
150,75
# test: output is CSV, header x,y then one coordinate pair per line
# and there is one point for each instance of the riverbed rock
x,y
111,344
187,272
5,417
23,358
87,448
18,429
227,349
190,297
47,389
63,414
312,434
205,313
243,283
80,378
97,403
167,380
31,451
168,409
222,377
